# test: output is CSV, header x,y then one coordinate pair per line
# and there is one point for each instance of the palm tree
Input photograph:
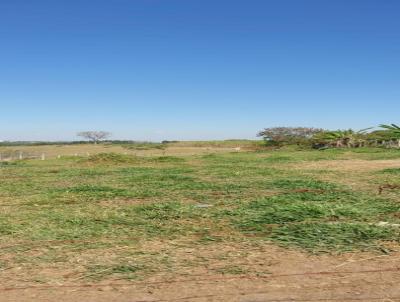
x,y
360,137
345,138
394,130
339,137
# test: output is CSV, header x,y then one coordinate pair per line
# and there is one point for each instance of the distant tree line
x,y
386,136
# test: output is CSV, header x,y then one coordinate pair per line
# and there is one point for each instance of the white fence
x,y
20,155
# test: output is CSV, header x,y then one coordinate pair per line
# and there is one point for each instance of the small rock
x,y
203,205
385,223
106,288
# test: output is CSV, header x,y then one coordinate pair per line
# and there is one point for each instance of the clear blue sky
x,y
196,69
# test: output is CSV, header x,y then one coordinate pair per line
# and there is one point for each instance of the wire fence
x,y
204,279
220,296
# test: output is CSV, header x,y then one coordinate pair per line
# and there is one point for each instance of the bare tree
x,y
94,136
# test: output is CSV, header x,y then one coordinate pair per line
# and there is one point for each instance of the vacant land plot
x,y
206,226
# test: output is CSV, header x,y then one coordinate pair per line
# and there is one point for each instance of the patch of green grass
x,y
370,150
279,159
339,237
6,228
293,184
10,163
158,219
162,211
395,171
87,222
88,193
171,181
376,153
168,159
110,158
144,146
231,270
80,172
124,271
282,156
266,216
286,208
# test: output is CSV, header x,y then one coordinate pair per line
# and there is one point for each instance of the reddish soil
x,y
283,276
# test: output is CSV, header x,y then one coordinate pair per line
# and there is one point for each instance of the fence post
x,y
43,156
20,156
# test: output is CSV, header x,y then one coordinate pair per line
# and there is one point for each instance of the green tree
x,y
288,135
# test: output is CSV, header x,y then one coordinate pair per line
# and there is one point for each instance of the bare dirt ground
x,y
356,173
284,275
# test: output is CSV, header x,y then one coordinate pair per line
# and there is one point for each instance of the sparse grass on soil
x,y
115,215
